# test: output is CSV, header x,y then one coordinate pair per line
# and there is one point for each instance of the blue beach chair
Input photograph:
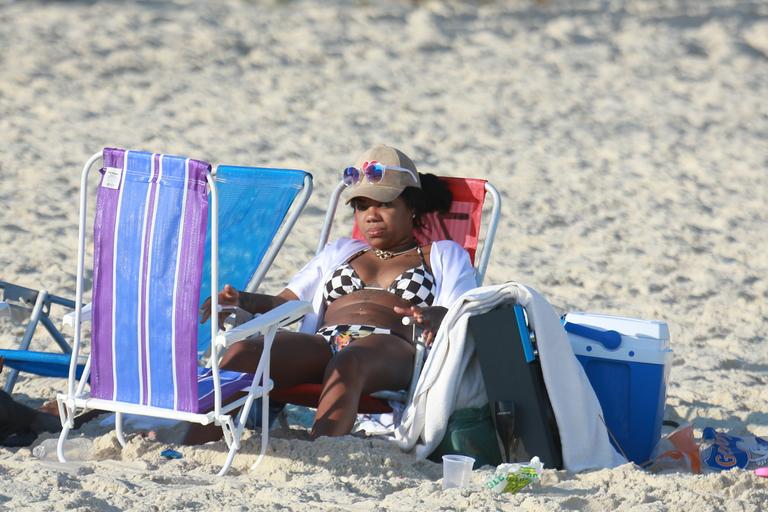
x,y
35,306
253,201
257,210
152,214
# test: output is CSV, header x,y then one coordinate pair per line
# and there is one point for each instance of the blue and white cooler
x,y
627,361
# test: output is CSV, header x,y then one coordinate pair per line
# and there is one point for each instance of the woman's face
x,y
384,225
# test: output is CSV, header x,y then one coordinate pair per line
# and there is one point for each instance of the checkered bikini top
x,y
416,285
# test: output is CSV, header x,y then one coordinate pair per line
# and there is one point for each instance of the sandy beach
x,y
629,141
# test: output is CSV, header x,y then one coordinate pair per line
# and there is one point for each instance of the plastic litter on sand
x,y
171,454
76,449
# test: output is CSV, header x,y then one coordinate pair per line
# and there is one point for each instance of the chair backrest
x,y
462,223
254,203
149,236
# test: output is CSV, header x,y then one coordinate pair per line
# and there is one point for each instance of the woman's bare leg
x,y
296,358
372,363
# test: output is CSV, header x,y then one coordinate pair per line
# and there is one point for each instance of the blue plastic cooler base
x,y
632,396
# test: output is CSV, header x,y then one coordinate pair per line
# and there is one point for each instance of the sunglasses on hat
x,y
373,172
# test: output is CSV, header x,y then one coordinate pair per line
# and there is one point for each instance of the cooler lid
x,y
635,327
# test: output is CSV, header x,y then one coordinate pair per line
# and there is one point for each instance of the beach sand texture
x,y
629,141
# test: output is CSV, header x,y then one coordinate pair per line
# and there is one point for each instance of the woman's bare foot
x,y
51,407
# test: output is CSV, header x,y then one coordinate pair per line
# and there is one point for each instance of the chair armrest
x,y
282,315
85,316
237,316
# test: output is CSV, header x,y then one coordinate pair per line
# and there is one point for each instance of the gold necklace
x,y
385,255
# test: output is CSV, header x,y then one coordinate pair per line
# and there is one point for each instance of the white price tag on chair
x,y
112,177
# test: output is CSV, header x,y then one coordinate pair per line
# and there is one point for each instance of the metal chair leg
x,y
119,428
37,310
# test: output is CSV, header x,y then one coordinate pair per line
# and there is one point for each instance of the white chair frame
x,y
267,324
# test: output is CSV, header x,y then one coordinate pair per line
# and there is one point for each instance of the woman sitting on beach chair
x,y
354,342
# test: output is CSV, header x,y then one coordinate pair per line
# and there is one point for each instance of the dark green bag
x,y
470,432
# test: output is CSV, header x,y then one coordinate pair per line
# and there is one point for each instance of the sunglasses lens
x,y
351,176
374,172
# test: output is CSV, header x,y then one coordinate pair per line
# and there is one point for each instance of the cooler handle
x,y
609,339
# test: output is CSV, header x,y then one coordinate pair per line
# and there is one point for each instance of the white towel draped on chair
x,y
451,379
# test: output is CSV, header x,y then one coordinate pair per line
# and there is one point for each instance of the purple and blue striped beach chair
x,y
150,233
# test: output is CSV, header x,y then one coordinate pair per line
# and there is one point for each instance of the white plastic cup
x,y
456,471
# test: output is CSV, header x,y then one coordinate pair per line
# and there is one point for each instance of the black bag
x,y
520,408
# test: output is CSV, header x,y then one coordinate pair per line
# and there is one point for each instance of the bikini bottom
x,y
339,336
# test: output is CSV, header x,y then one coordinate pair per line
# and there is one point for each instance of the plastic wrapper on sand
x,y
512,478
677,451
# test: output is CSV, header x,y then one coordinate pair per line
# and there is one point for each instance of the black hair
x,y
433,196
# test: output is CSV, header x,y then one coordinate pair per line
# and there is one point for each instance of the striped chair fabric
x,y
149,236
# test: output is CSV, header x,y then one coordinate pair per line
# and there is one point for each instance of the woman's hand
x,y
429,319
228,296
